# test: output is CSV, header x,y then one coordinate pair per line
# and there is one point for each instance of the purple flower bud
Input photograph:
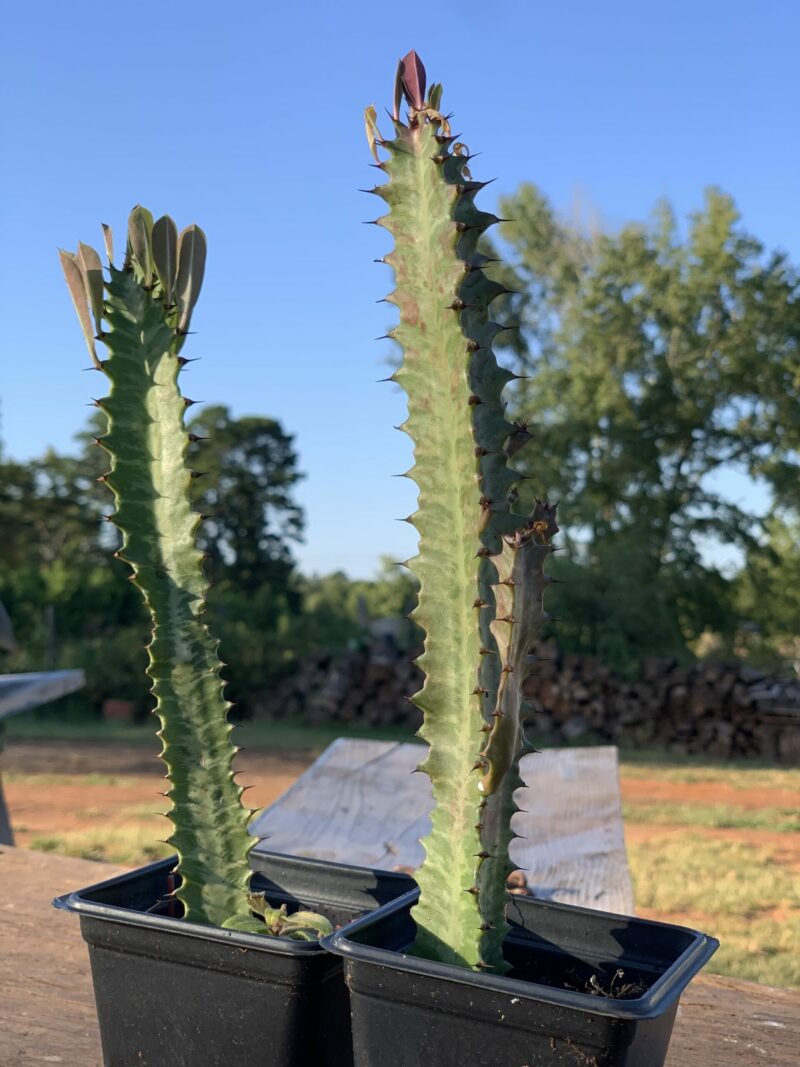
x,y
412,73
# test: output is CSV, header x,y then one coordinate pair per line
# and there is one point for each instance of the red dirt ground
x,y
61,805
649,789
38,809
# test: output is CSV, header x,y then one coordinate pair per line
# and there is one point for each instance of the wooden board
x,y
21,692
362,803
47,1012
724,1022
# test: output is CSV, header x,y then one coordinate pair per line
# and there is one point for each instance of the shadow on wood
x,y
362,803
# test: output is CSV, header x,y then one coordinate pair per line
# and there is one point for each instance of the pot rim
x,y
655,1001
76,902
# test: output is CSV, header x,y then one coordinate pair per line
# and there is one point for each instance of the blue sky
x,y
247,119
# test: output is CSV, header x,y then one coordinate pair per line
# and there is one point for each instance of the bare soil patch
x,y
91,782
652,790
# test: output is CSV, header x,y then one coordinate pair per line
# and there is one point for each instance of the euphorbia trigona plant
x,y
479,565
142,315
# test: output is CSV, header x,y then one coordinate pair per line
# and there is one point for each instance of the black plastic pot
x,y
563,1003
176,994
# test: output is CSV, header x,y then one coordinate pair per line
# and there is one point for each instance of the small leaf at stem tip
x,y
140,238
398,91
191,268
92,271
413,78
165,254
371,125
108,241
77,290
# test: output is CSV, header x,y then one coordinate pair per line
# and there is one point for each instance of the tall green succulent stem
x,y
519,617
151,480
142,314
456,419
462,443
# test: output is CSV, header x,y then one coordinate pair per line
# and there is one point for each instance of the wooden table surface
x,y
21,692
47,1009
361,802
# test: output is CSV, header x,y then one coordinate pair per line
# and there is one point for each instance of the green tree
x,y
59,581
337,610
249,474
767,596
657,360
68,596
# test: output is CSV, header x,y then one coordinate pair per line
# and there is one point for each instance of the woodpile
x,y
370,685
720,710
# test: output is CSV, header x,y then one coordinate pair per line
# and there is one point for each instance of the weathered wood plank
x,y
47,1012
21,692
724,1022
362,803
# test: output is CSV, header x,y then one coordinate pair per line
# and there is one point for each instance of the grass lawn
x,y
711,845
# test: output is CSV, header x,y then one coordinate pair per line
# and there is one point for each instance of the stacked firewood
x,y
369,684
720,710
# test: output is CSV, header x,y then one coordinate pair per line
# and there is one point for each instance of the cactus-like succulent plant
x,y
479,565
142,315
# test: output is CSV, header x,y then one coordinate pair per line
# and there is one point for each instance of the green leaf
x,y
165,254
140,243
191,268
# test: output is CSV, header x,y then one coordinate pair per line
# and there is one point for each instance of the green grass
x,y
129,846
694,770
740,893
711,816
25,778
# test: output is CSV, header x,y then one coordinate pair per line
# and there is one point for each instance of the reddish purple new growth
x,y
412,74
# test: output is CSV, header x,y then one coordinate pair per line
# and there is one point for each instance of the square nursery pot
x,y
564,1001
176,994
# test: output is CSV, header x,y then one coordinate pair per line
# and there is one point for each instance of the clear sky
x,y
247,119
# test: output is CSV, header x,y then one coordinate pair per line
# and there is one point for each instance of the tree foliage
x,y
659,360
249,474
766,596
65,592
338,610
72,606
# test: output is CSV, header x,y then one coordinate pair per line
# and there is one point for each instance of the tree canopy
x,y
70,602
658,360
